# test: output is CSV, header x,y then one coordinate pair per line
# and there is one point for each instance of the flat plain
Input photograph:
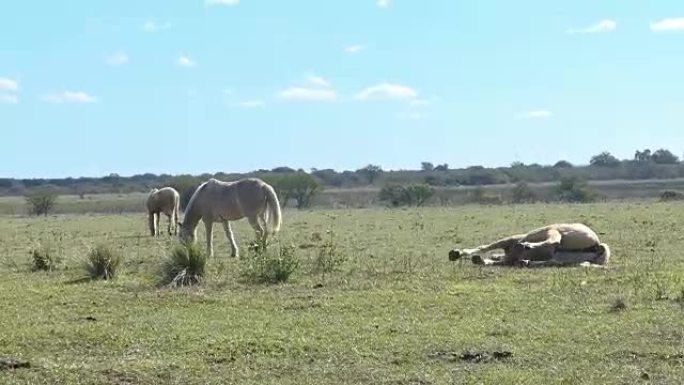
x,y
393,310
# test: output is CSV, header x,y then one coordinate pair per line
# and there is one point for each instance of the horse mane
x,y
191,202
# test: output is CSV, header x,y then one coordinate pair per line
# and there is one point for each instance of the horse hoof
x,y
476,259
454,255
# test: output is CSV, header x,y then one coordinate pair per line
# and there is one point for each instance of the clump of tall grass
x,y
102,263
43,259
185,266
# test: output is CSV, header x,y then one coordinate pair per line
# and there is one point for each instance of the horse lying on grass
x,y
217,201
165,200
553,245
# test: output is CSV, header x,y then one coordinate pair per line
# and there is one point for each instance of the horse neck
x,y
192,215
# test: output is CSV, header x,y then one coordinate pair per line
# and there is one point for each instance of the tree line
x,y
297,185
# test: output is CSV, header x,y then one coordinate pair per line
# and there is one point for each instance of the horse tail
x,y
603,254
273,206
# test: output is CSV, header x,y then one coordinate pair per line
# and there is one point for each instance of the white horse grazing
x,y
554,245
217,201
165,200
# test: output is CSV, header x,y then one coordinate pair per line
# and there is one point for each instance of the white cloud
x,y
665,25
69,97
537,114
117,59
250,104
223,2
308,94
317,81
383,3
354,48
8,99
184,61
153,26
602,26
9,85
387,91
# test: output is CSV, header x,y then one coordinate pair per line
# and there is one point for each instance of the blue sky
x,y
89,88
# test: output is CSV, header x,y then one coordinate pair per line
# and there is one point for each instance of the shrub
x,y
478,195
185,266
41,202
522,193
43,260
411,195
671,195
102,263
264,265
573,189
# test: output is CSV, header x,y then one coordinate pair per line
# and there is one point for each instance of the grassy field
x,y
396,311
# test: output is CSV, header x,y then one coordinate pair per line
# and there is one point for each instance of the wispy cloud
x,y
8,90
308,94
382,3
536,114
185,61
315,88
606,25
317,81
249,104
668,25
386,91
69,97
223,2
9,85
153,26
117,59
354,48
8,99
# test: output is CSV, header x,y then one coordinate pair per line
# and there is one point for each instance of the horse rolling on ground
x,y
217,201
553,245
165,200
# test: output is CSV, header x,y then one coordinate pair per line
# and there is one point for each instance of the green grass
x,y
395,311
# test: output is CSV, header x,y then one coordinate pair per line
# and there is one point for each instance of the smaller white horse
x,y
165,200
217,201
553,245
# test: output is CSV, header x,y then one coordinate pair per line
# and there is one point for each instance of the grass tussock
x,y
185,266
43,259
102,263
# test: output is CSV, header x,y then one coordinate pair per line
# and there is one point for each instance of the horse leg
x,y
157,219
209,226
229,234
150,223
504,243
553,239
168,228
258,228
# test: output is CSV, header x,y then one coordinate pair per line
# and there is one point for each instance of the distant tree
x,y
186,186
663,156
642,156
427,166
419,194
283,170
371,172
517,164
299,186
563,164
442,167
604,159
41,201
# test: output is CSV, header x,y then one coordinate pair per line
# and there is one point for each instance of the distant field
x,y
395,312
352,198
